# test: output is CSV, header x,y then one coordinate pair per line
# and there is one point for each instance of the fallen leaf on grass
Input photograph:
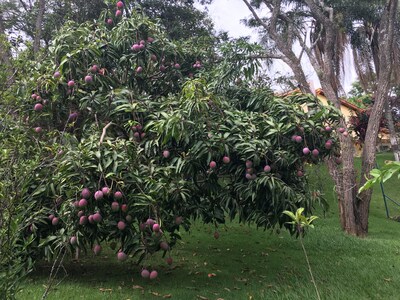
x,y
167,296
155,294
387,279
226,289
138,287
202,298
105,290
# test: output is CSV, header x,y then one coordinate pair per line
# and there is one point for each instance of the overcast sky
x,y
227,16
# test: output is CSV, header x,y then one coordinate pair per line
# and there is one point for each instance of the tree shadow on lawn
x,y
242,261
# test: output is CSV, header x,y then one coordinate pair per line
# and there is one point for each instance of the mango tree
x,y
140,135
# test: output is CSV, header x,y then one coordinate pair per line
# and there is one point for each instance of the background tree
x,y
180,18
365,99
6,69
38,21
364,40
317,27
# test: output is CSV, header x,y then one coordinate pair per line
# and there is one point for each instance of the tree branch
x,y
266,56
38,27
104,132
263,24
284,45
23,5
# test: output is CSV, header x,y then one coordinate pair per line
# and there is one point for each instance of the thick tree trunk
x,y
386,40
38,26
392,131
344,175
353,208
356,208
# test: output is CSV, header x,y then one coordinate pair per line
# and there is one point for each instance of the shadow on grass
x,y
245,262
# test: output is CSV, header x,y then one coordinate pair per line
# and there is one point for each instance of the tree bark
x,y
345,179
353,208
386,40
392,131
5,56
344,175
38,26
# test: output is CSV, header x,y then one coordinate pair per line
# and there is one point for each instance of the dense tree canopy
x,y
22,22
179,17
125,128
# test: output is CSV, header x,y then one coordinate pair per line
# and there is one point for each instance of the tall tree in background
x,y
365,39
38,26
317,27
38,21
5,57
180,18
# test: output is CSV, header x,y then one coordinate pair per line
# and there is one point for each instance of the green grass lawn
x,y
250,263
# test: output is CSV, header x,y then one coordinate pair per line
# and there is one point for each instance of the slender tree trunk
x,y
38,26
392,131
5,55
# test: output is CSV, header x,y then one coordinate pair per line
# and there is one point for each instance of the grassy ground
x,y
250,263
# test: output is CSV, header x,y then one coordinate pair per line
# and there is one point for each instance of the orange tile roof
x,y
342,102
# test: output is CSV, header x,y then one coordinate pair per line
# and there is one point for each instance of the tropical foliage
x,y
157,134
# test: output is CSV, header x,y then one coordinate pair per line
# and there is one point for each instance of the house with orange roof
x,y
349,110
